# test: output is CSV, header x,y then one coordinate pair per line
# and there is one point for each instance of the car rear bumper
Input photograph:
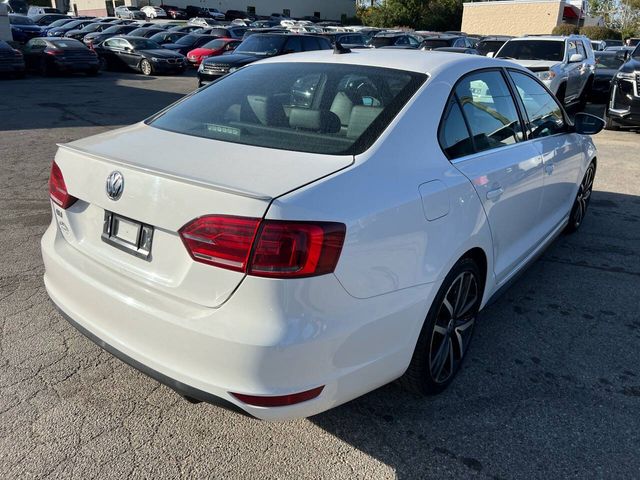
x,y
270,338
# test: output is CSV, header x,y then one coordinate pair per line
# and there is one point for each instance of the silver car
x,y
566,65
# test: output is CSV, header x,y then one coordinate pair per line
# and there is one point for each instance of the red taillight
x,y
297,249
281,249
17,53
222,241
53,52
279,400
58,189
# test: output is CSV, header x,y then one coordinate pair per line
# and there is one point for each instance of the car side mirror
x,y
575,58
587,124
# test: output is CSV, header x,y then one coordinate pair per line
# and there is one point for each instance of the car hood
x,y
161,53
237,58
27,28
632,65
535,65
214,163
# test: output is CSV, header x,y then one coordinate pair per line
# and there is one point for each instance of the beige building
x,y
518,17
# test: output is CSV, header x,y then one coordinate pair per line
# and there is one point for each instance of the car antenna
x,y
339,49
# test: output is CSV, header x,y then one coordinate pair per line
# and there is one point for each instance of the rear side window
x,y
545,115
489,109
453,135
307,107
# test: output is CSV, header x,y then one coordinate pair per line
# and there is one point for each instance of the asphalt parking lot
x,y
550,388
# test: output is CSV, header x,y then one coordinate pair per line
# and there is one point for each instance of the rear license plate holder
x,y
127,235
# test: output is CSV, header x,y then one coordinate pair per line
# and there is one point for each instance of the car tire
x,y
583,197
446,332
145,67
103,64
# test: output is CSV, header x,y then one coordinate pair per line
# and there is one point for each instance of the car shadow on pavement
x,y
551,383
75,100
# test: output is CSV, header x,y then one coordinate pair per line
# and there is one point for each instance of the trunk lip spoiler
x,y
165,174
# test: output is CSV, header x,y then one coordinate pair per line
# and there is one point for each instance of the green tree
x,y
417,14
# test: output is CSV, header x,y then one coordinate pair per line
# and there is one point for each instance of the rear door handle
x,y
495,193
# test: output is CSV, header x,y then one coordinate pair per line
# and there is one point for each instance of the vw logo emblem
x,y
115,185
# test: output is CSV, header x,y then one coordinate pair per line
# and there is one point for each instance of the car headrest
x,y
361,118
323,121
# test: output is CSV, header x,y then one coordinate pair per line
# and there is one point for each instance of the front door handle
x,y
495,193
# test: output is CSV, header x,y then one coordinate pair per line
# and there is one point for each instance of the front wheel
x,y
145,67
579,209
447,331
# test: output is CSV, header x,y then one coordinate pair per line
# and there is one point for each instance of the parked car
x,y
139,54
566,65
347,258
607,65
96,38
257,47
204,22
197,11
598,45
53,55
176,13
154,12
623,108
347,39
443,41
185,28
35,10
215,13
45,19
165,37
225,32
491,44
624,50
80,33
613,43
11,60
632,42
130,12
212,48
67,27
145,32
237,14
385,39
45,29
189,42
16,6
466,50
23,28
253,31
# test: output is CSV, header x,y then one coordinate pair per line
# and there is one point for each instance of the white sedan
x,y
154,12
313,226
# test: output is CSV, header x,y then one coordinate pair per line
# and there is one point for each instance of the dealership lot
x,y
551,387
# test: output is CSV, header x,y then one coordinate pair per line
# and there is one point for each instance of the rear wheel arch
x,y
478,255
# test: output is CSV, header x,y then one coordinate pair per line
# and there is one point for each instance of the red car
x,y
211,49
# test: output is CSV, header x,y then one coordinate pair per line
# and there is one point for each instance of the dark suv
x,y
256,47
623,108
402,40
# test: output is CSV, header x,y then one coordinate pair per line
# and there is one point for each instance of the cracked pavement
x,y
550,389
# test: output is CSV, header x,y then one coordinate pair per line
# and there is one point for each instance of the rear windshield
x,y
68,43
487,46
435,43
378,42
533,50
306,107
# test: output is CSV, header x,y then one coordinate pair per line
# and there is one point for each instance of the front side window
x,y
544,113
308,107
489,109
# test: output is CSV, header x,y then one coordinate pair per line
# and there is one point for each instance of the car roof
x,y
410,60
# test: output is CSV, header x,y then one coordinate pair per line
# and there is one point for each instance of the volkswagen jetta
x,y
313,226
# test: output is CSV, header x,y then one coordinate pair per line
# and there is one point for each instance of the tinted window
x,y
18,20
545,115
489,109
262,44
59,23
378,42
294,44
187,40
310,43
489,46
533,50
295,106
430,44
608,61
143,44
68,43
453,135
